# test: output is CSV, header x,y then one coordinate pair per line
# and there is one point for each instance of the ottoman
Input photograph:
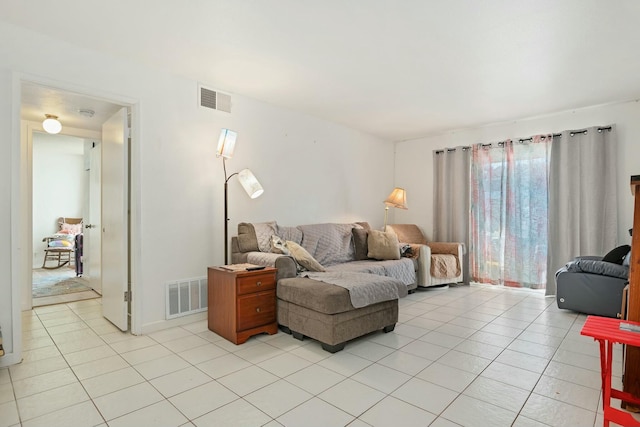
x,y
324,312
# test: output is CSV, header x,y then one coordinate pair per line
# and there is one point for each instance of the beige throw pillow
x,y
303,257
383,245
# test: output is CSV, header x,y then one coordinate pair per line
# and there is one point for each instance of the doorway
x,y
61,188
85,117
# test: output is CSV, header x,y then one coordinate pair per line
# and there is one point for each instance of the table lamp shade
x,y
397,199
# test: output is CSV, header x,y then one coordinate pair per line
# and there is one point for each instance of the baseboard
x,y
172,323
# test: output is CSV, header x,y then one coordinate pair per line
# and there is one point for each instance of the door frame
x,y
22,195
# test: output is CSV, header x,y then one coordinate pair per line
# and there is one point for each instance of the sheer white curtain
x,y
509,212
582,197
451,198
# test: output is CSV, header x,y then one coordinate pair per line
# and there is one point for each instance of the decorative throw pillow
x,y
278,246
360,243
71,228
616,256
60,244
303,257
383,245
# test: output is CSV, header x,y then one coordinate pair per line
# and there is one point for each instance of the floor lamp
x,y
397,199
226,145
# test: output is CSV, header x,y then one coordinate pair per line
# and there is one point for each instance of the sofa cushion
x,y
382,245
247,240
318,296
360,243
290,233
402,269
303,257
328,243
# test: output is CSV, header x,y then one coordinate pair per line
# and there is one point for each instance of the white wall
x,y
59,185
312,170
9,265
414,159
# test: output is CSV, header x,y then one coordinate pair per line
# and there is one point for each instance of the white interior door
x,y
93,231
115,219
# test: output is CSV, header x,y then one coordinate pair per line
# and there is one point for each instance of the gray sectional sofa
x,y
311,307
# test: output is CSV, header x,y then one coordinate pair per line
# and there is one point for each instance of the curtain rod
x,y
522,140
450,150
571,133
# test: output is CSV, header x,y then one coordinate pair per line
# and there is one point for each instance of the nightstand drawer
x,y
257,283
256,309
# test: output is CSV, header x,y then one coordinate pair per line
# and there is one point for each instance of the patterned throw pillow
x,y
264,231
278,246
71,228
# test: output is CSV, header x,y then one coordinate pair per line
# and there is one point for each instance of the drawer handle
x,y
258,310
258,283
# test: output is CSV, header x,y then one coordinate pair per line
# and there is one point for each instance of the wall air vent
x,y
187,296
209,98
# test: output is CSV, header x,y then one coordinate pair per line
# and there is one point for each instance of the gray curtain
x,y
582,197
451,198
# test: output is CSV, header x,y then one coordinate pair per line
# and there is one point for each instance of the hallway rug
x,y
55,286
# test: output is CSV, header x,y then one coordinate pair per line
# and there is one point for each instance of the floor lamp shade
x,y
250,183
226,143
253,188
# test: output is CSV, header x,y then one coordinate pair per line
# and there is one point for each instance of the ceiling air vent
x,y
215,100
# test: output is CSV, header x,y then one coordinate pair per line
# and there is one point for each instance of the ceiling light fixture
x,y
51,124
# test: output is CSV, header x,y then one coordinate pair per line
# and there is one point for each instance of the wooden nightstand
x,y
242,303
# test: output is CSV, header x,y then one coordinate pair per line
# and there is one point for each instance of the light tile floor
x,y
462,356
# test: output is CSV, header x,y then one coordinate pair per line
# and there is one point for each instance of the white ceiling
x,y
39,100
396,69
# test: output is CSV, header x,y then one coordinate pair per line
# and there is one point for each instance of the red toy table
x,y
607,331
